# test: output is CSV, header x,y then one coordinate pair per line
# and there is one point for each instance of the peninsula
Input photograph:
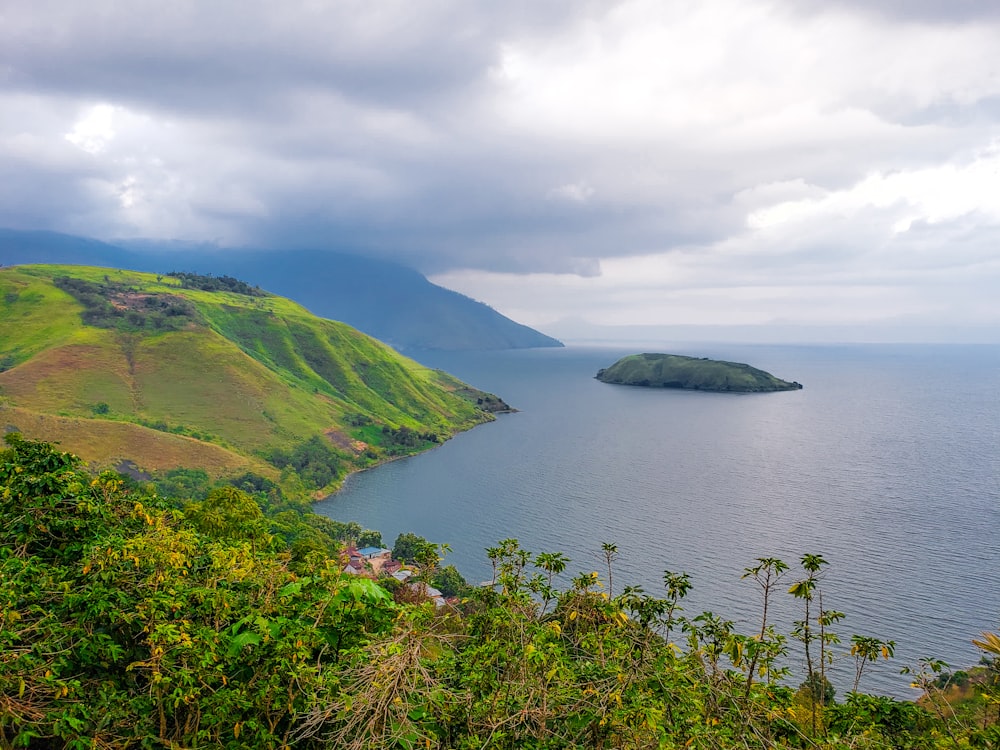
x,y
692,373
183,371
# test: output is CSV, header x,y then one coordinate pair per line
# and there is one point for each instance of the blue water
x,y
886,463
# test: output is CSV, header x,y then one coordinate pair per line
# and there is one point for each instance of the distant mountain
x,y
210,372
390,301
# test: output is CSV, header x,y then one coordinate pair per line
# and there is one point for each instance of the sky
x,y
786,169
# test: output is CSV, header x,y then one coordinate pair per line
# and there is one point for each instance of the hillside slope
x,y
147,368
392,302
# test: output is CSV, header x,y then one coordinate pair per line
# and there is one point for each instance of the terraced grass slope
x,y
678,371
123,365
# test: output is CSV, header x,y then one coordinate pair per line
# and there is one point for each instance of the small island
x,y
692,373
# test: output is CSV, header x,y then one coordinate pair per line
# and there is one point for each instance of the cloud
x,y
937,11
577,192
94,130
932,195
519,141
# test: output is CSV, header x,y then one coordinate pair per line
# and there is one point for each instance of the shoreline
x,y
384,461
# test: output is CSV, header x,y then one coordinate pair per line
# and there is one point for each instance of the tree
x,y
805,590
677,586
610,552
766,573
123,625
866,650
553,563
825,619
369,538
410,548
449,581
229,513
819,689
509,560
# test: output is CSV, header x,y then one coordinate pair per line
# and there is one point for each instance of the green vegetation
x,y
410,547
127,621
315,461
113,304
449,581
209,283
128,624
677,371
120,365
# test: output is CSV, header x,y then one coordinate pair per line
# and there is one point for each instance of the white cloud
x,y
575,192
656,70
94,130
128,192
933,194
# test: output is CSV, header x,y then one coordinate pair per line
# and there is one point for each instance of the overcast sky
x,y
827,163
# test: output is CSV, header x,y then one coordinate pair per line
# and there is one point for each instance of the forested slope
x,y
130,621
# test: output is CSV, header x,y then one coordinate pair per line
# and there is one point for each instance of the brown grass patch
x,y
340,438
71,378
103,444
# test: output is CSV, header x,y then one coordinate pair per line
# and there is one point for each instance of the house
x,y
375,553
355,567
429,591
368,560
391,567
402,575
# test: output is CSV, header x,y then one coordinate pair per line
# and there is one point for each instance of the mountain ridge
x,y
390,301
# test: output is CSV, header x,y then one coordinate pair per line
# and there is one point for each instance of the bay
x,y
886,464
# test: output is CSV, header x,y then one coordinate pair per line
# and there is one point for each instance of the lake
x,y
886,464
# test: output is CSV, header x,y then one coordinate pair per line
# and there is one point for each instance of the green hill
x,y
677,371
208,372
392,302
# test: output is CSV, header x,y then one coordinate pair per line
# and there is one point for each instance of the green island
x,y
692,373
130,619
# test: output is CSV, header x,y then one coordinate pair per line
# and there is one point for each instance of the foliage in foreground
x,y
128,623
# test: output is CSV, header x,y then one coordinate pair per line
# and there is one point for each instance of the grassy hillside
x,y
677,371
127,360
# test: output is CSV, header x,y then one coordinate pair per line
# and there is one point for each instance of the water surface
x,y
886,464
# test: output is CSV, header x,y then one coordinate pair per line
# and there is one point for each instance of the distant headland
x,y
692,373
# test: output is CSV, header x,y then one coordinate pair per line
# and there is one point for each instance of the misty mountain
x,y
390,301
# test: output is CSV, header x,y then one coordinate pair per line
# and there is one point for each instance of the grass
x,y
103,444
71,378
248,374
33,316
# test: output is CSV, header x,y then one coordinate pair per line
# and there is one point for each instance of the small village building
x,y
429,591
391,567
355,567
373,553
402,575
375,558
